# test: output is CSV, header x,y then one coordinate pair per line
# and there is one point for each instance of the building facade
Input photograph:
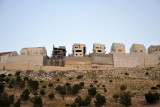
x,y
117,48
79,50
99,48
154,49
34,51
137,48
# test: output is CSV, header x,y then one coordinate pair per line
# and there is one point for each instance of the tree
x,y
125,98
4,100
37,101
123,87
100,100
50,85
17,104
25,95
33,84
11,99
92,91
83,102
1,88
51,96
42,92
115,96
75,88
151,97
61,89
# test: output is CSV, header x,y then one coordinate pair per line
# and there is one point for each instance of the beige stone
x,y
99,48
137,49
153,49
79,50
118,48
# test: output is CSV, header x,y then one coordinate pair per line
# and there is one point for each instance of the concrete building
x,y
137,48
99,48
4,56
117,48
34,51
79,50
154,49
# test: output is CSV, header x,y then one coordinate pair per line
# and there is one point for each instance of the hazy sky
x,y
35,23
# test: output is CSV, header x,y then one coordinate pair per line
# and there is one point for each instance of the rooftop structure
x,y
138,48
99,48
34,51
79,50
154,49
118,48
59,52
4,55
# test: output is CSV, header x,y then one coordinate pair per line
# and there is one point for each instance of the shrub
x,y
115,96
79,76
1,88
76,88
92,91
67,84
37,101
7,80
70,78
81,84
18,79
61,89
11,99
158,85
43,86
25,78
17,73
151,97
103,86
58,80
17,104
126,73
25,95
95,81
33,84
10,85
105,90
35,93
22,84
153,88
9,75
51,96
67,105
4,100
50,85
147,74
100,100
110,81
83,102
123,87
125,98
42,92
41,81
91,85
73,105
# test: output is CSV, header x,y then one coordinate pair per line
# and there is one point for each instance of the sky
x,y
36,23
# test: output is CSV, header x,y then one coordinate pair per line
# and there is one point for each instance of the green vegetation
x,y
51,96
92,91
125,98
25,95
152,97
37,101
100,100
123,87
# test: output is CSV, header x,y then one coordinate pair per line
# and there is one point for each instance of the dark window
x,y
76,54
99,50
78,50
141,51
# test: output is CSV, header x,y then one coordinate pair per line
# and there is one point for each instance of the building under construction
x,y
58,56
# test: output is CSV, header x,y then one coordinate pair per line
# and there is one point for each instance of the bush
x,y
73,105
33,84
100,100
103,86
10,85
58,80
151,97
25,95
147,74
125,98
7,80
4,100
1,88
43,86
25,79
158,85
50,85
153,88
123,87
91,85
92,91
83,102
51,96
110,81
35,93
79,76
22,84
37,101
70,78
67,84
61,89
95,81
17,104
67,105
126,73
42,92
76,88
18,73
9,75
105,90
81,84
115,96
11,99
